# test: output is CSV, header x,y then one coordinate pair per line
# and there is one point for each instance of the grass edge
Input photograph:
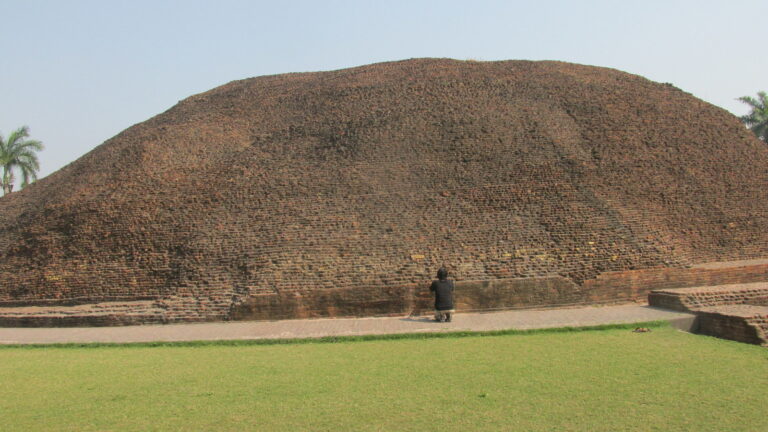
x,y
340,339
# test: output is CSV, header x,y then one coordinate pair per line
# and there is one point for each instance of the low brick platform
x,y
743,323
97,314
116,313
695,298
737,311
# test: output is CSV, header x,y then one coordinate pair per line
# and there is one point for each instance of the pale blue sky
x,y
80,71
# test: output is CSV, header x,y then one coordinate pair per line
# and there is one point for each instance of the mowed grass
x,y
608,380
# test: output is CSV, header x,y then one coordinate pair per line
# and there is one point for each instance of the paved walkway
x,y
519,319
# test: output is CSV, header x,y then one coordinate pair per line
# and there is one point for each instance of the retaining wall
x,y
370,300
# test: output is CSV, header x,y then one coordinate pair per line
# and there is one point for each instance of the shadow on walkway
x,y
418,319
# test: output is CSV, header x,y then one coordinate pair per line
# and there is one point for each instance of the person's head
x,y
442,274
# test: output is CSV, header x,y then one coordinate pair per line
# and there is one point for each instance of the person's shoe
x,y
448,318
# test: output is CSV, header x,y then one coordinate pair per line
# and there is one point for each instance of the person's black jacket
x,y
443,290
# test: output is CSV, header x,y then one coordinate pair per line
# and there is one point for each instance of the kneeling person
x,y
443,289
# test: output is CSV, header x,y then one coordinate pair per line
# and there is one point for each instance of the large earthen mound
x,y
340,193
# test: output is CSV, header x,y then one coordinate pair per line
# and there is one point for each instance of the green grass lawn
x,y
608,380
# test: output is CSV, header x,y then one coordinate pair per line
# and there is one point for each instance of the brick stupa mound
x,y
340,193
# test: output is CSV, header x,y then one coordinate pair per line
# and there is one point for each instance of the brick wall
x,y
494,294
639,283
378,300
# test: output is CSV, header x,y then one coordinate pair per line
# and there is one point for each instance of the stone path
x,y
519,319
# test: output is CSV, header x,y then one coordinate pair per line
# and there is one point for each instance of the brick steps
x,y
696,298
743,323
736,311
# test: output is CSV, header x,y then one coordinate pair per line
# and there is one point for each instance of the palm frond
x,y
33,145
23,145
747,120
28,171
26,153
25,177
28,176
761,130
17,135
30,160
757,119
749,100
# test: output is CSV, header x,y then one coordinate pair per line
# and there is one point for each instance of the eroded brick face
x,y
340,193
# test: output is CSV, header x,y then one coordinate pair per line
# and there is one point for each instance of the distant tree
x,y
19,153
757,120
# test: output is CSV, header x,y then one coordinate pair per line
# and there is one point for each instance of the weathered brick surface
x,y
335,193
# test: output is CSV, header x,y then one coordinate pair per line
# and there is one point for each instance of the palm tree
x,y
18,152
757,120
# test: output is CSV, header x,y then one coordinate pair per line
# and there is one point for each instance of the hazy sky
x,y
78,72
